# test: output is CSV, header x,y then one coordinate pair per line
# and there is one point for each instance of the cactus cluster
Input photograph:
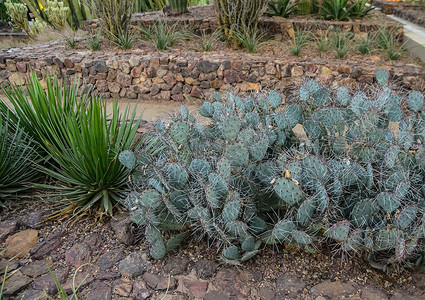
x,y
247,178
56,13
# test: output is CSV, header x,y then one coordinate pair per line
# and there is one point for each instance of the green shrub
x,y
163,35
80,142
17,158
301,39
342,10
246,178
41,112
207,41
86,168
283,8
250,40
93,42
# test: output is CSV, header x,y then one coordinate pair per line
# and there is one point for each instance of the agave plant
x,y
17,157
86,168
283,8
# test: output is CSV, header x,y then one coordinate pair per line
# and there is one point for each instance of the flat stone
x,y
250,86
7,228
124,79
176,265
47,282
229,281
205,268
21,66
31,294
373,293
122,287
78,255
17,78
109,259
100,290
196,288
36,268
82,279
69,64
19,244
15,283
215,295
100,66
402,295
121,225
290,285
10,264
159,282
134,264
46,247
32,220
140,290
266,293
334,289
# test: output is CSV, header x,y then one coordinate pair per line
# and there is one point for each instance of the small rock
x,y
37,268
32,220
215,295
7,228
21,66
11,265
373,293
78,255
160,282
109,259
402,295
99,291
46,247
122,287
134,264
108,276
124,79
16,283
81,280
196,288
229,281
31,294
19,244
334,289
176,265
121,225
205,268
100,66
140,290
47,282
266,293
93,240
290,285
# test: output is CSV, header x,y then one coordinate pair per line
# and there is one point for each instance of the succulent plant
x,y
245,178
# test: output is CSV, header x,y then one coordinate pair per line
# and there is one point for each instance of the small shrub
x,y
207,41
301,39
283,8
342,10
70,40
388,39
365,45
17,158
94,42
359,10
322,43
341,41
124,40
250,40
163,35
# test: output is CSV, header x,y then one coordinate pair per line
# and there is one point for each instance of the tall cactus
x,y
178,6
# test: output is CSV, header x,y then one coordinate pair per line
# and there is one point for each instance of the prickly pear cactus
x,y
325,166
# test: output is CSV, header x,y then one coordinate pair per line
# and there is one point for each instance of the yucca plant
x,y
338,10
207,41
38,111
162,35
17,159
85,157
301,39
251,40
93,42
124,40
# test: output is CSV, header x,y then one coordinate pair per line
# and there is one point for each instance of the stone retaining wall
x,y
190,76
